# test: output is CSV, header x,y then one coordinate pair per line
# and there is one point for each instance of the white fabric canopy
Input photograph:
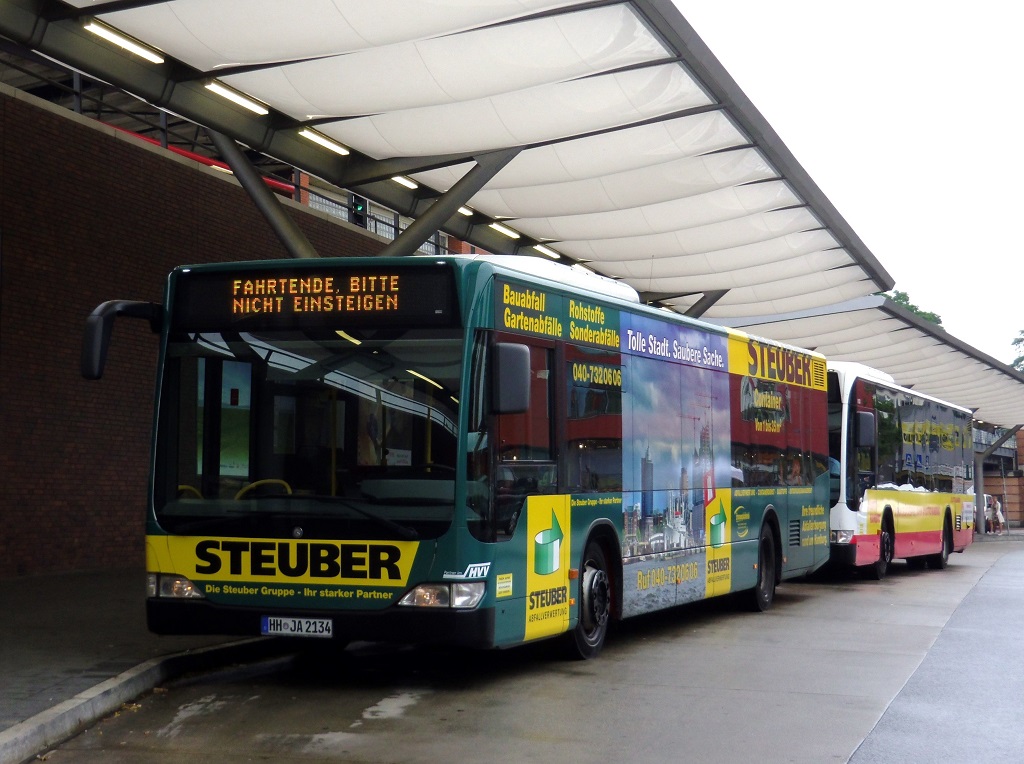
x,y
634,145
918,354
607,133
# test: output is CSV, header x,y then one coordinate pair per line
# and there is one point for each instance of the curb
x,y
55,725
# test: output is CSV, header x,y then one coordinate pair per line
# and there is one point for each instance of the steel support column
x,y
445,206
287,230
980,523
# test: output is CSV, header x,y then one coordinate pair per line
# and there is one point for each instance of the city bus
x,y
901,463
474,451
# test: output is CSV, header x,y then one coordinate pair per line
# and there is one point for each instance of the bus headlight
x,y
174,587
842,537
463,595
467,595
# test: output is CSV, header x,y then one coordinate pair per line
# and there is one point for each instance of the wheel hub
x,y
596,598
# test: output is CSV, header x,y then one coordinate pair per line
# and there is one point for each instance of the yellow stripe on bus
x,y
351,563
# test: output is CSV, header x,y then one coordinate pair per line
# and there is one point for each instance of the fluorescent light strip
x,y
123,41
425,379
549,252
402,181
347,336
507,231
236,97
324,141
466,211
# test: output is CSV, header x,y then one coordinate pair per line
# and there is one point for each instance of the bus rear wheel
x,y
940,560
763,594
595,603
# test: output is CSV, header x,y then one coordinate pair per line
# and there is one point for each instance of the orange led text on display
x,y
315,294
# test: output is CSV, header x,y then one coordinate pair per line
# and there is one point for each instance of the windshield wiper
x,y
404,531
190,526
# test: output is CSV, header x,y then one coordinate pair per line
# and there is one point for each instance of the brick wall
x,y
87,215
1010,489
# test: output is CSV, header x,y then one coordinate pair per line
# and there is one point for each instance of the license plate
x,y
287,626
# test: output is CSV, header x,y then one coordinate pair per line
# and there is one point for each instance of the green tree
x,y
901,298
1018,344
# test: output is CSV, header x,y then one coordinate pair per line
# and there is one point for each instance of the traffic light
x,y
358,211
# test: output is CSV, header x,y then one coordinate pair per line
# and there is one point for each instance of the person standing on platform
x,y
998,519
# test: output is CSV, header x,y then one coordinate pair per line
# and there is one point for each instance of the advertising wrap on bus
x,y
686,515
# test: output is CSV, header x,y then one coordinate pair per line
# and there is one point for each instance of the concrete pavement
x,y
73,648
963,702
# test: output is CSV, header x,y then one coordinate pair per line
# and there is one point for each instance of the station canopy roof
x,y
606,133
875,331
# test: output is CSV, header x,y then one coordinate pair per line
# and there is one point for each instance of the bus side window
x,y
527,436
593,383
890,438
525,447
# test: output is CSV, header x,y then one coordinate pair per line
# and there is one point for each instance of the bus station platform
x,y
74,648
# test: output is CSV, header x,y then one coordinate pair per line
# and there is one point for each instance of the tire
x,y
878,570
588,637
762,595
941,560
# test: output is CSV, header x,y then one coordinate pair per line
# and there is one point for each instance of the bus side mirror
x,y
100,323
510,384
865,429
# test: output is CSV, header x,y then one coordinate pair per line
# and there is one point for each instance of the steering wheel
x,y
188,490
256,484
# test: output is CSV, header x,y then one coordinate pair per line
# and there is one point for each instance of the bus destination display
x,y
317,294
284,298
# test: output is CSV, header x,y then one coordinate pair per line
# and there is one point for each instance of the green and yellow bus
x,y
477,451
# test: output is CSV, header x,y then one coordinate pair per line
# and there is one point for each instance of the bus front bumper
x,y
443,626
854,551
843,555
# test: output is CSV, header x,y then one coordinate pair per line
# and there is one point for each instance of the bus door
x,y
245,436
527,505
223,401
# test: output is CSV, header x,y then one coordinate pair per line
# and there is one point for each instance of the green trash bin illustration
x,y
718,526
547,548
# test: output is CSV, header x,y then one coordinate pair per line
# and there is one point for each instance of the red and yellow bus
x,y
901,466
471,451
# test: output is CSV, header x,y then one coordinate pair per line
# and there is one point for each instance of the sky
x,y
904,113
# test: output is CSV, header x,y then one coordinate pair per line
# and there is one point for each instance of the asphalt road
x,y
837,669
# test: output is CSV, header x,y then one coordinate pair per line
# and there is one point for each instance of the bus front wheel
x,y
595,603
886,545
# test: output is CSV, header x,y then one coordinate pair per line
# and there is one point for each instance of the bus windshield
x,y
309,433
